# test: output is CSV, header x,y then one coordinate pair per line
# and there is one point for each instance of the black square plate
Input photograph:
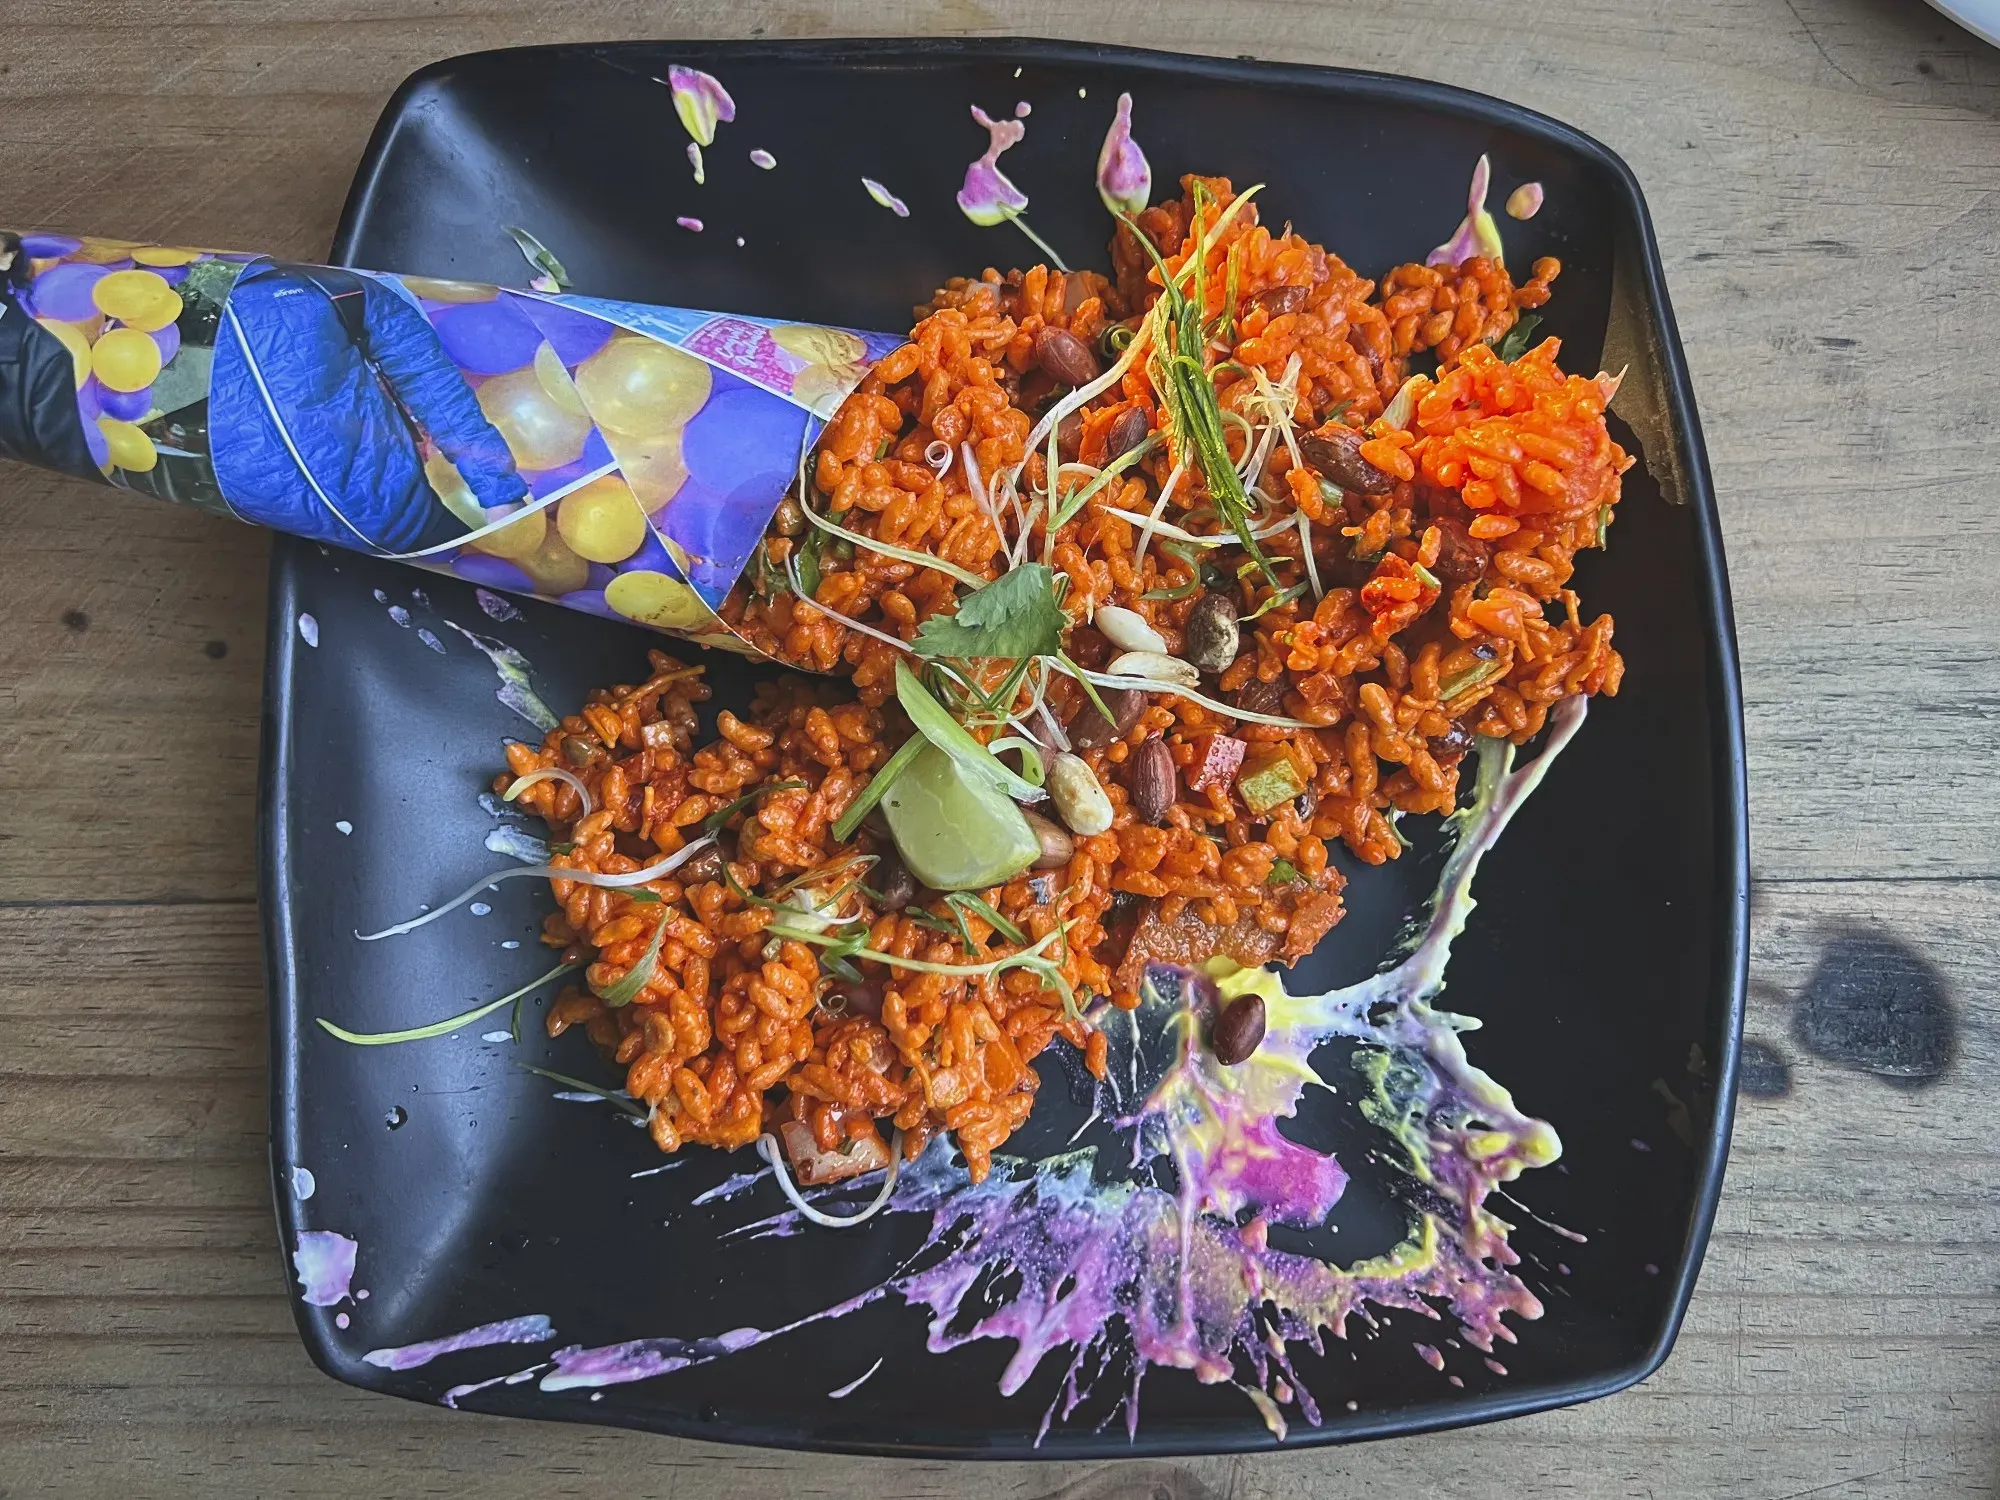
x,y
1606,958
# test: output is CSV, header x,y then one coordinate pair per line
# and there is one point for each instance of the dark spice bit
x,y
1454,741
1260,697
1128,431
1065,356
1238,1031
1069,436
1154,782
576,750
1279,301
1335,451
789,520
703,867
1092,731
1211,635
892,881
1461,555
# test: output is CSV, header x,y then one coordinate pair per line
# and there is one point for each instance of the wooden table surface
x,y
1825,175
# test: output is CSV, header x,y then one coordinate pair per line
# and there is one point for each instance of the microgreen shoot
x,y
713,823
550,773
628,989
901,554
1181,375
986,914
449,1023
1075,502
610,1096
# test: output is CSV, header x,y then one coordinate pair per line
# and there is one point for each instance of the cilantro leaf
x,y
1514,343
1014,616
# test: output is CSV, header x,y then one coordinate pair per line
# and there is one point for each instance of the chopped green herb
x,y
1514,343
1425,576
1603,524
714,821
1283,597
539,256
645,897
988,915
1014,616
1464,682
1178,591
878,784
626,990
1283,872
808,560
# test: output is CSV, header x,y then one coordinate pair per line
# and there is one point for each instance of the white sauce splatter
x,y
344,826
480,909
515,844
763,158
303,1185
309,631
855,1384
431,641
400,615
496,1036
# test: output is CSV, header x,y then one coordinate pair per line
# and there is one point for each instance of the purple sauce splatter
x,y
325,1264
762,158
1171,1276
532,1329
886,198
495,607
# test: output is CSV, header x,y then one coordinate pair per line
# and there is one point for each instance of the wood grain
x,y
1825,176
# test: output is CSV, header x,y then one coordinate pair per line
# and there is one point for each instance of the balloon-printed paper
x,y
609,456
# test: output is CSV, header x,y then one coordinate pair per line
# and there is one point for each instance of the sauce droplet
x,y
396,1118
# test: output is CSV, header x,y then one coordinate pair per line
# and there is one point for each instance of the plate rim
x,y
1722,669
